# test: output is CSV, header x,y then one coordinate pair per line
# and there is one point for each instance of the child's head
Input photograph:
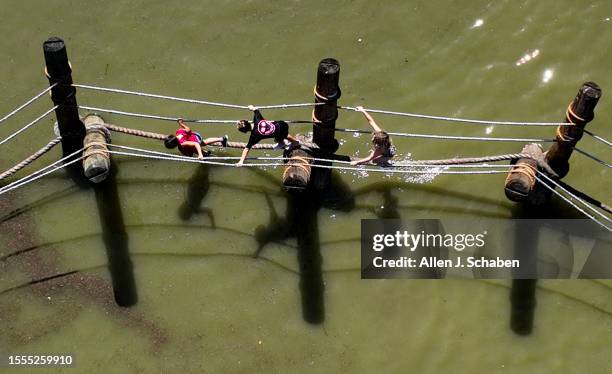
x,y
380,139
243,125
171,141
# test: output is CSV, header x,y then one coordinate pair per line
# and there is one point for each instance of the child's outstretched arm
x,y
257,116
374,155
369,118
245,152
364,160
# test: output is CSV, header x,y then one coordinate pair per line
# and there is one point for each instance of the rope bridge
x,y
429,166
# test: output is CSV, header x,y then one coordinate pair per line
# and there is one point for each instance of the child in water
x,y
190,142
383,149
260,129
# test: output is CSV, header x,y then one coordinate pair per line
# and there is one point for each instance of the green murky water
x,y
204,303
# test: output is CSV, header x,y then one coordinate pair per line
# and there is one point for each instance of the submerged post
x,y
579,113
521,178
96,159
327,92
298,169
59,71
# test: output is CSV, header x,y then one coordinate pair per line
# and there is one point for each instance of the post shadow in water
x,y
115,239
392,222
522,293
301,222
197,189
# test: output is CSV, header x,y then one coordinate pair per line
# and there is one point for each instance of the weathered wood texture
x,y
58,70
579,112
298,169
96,161
521,177
327,92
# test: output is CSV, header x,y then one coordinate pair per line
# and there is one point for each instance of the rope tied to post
x,y
525,169
299,162
90,149
573,120
327,99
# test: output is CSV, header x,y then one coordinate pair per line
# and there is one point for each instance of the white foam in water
x,y
478,23
547,76
528,57
356,135
489,129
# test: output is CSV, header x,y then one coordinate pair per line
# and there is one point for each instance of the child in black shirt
x,y
261,129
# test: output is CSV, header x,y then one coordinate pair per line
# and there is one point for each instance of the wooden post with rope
x,y
327,92
96,159
579,112
298,169
521,184
59,72
521,179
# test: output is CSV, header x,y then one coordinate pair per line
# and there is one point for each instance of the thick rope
x,y
157,136
184,100
473,160
284,159
28,125
31,159
135,132
165,156
454,119
22,106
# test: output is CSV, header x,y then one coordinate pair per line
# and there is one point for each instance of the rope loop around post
x,y
315,120
572,117
524,169
328,99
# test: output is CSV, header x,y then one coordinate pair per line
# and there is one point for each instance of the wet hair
x,y
243,125
171,142
380,139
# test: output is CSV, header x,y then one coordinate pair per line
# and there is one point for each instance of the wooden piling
x,y
521,178
59,71
298,169
579,113
327,92
96,161
521,184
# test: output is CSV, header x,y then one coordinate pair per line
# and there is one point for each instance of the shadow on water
x,y
301,222
197,189
523,291
116,241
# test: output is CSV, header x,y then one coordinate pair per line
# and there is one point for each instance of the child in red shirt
x,y
190,142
